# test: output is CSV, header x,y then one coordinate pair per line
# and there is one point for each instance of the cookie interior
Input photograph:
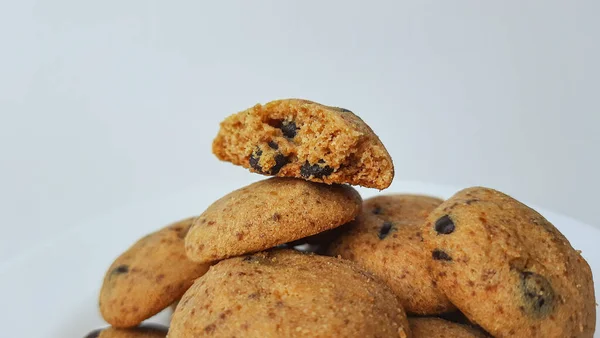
x,y
304,139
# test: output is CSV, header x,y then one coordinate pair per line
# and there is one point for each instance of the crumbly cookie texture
x,y
284,293
431,327
386,239
308,140
508,269
268,213
148,277
142,331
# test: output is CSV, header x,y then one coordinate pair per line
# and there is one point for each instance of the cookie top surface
x,y
143,331
148,277
386,240
268,213
430,327
304,139
284,293
507,268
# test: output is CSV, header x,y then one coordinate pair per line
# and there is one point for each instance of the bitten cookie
x,y
430,327
284,293
386,240
142,331
304,139
508,269
148,277
268,213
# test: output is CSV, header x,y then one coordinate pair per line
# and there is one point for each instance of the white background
x,y
106,103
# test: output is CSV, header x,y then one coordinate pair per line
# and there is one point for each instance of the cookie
x,y
142,331
507,268
269,213
285,293
148,277
304,139
386,240
430,327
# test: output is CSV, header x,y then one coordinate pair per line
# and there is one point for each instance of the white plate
x,y
51,291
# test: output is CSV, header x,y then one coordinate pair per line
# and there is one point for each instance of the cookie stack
x,y
478,264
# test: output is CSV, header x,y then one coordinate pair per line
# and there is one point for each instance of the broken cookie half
x,y
305,139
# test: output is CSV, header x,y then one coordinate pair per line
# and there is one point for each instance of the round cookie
x,y
507,268
304,139
386,240
285,293
268,213
431,327
148,277
142,331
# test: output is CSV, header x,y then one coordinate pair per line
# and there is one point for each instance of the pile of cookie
x,y
479,264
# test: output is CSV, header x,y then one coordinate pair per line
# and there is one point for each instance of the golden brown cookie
x,y
268,213
148,277
142,331
430,327
285,293
508,269
304,139
386,240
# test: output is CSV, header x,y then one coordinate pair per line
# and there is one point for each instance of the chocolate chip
x,y
273,145
307,170
94,334
280,161
289,129
440,255
444,225
255,158
537,293
345,110
385,230
120,269
376,210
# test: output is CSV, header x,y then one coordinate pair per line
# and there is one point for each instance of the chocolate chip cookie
x,y
268,213
284,293
386,240
308,140
148,277
142,331
431,327
507,268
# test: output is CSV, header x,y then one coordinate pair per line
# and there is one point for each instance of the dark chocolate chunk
x,y
307,170
289,129
273,145
255,158
94,334
280,161
444,225
385,230
440,255
537,294
120,269
376,210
